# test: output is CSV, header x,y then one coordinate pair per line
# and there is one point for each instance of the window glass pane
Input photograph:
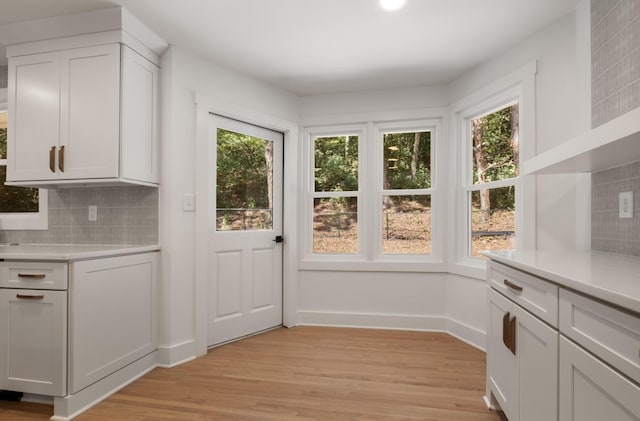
x,y
336,163
495,139
406,224
335,225
244,182
493,220
16,199
3,135
407,160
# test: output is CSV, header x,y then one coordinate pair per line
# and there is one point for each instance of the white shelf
x,y
613,144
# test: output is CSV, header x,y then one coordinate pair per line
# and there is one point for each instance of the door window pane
x,y
336,163
335,225
406,224
493,220
244,182
407,161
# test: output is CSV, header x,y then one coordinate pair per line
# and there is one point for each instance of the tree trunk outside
x,y
479,156
515,134
414,156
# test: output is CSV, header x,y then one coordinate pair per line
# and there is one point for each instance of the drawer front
x,y
534,294
609,333
33,275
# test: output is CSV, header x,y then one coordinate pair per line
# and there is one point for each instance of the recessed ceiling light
x,y
392,5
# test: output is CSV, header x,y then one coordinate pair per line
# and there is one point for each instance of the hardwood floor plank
x,y
309,373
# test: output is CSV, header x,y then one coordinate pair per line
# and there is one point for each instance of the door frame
x,y
206,106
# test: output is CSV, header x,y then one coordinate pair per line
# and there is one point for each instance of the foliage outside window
x,y
335,198
244,179
13,200
406,199
494,175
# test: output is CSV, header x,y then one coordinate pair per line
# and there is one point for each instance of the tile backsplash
x,y
615,59
609,232
126,215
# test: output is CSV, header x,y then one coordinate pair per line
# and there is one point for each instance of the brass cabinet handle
x,y
513,286
61,158
31,275
52,159
29,297
509,332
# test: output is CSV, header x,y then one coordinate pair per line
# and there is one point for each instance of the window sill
x,y
469,268
373,266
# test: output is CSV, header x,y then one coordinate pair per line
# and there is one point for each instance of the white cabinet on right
x,y
592,391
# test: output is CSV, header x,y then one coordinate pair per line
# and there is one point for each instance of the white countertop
x,y
68,252
613,278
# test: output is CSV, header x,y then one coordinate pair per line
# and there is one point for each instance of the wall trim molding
x,y
174,355
461,331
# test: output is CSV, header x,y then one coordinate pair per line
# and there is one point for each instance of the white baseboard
x,y
171,356
465,333
372,321
468,334
68,407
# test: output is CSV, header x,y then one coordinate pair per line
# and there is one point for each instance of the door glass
x,y
244,182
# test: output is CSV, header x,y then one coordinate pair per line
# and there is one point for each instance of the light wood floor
x,y
306,373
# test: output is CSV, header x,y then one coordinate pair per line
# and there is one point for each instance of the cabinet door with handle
x,y
90,114
33,341
34,116
502,369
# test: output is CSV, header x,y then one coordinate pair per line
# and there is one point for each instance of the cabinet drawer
x,y
535,295
33,275
611,334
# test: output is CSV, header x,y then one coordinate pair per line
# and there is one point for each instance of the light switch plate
x,y
188,203
93,213
626,204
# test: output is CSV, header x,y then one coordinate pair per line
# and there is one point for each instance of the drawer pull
x,y
29,297
31,275
513,286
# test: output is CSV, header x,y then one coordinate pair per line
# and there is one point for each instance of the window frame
x,y
434,127
518,86
11,221
369,198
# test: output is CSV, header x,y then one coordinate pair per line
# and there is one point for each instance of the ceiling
x,y
311,47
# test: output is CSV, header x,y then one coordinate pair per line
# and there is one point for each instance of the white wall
x,y
383,299
183,76
436,301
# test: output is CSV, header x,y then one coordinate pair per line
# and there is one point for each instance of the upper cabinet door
x,y
140,79
90,115
34,116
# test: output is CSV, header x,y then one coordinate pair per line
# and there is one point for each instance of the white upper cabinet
x,y
83,115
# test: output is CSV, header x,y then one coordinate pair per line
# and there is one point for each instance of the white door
x,y
245,250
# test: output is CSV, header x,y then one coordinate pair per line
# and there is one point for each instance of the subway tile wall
x,y
609,232
126,216
615,58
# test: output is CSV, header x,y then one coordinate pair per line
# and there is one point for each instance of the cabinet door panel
x,y
112,305
537,353
139,117
34,116
90,100
592,391
502,374
33,341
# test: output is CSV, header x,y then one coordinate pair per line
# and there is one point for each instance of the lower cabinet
x,y
111,302
58,342
592,391
522,362
33,341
